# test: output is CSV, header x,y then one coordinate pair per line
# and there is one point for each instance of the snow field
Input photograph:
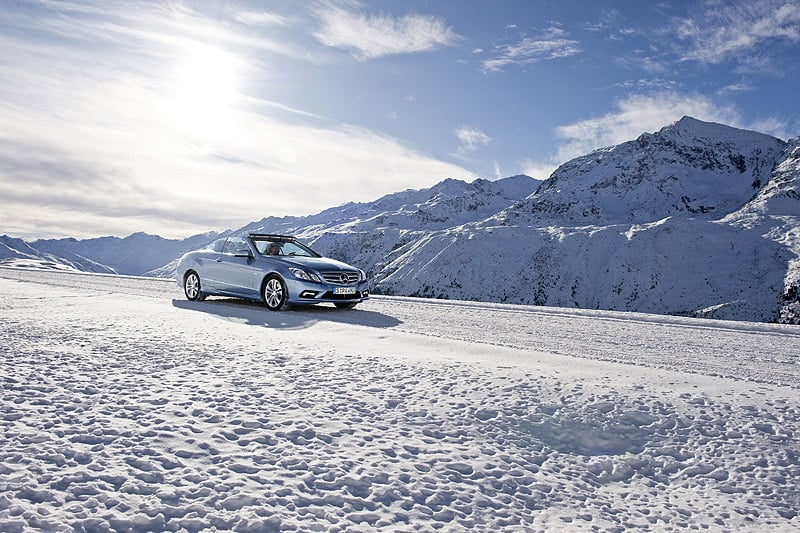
x,y
126,408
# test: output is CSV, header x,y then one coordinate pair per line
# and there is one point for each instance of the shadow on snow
x,y
298,317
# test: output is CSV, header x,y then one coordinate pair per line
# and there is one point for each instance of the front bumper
x,y
306,292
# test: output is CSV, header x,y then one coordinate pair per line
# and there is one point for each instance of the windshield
x,y
282,247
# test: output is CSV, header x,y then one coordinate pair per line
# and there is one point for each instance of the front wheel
x,y
191,287
275,295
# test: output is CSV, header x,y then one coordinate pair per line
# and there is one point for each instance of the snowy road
x,y
767,353
125,407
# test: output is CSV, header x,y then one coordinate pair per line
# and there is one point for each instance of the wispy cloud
x,y
369,36
735,88
552,44
644,84
471,138
637,61
740,30
610,21
775,126
266,19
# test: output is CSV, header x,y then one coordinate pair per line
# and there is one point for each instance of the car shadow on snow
x,y
255,314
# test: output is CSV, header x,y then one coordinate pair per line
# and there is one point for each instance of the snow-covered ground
x,y
127,408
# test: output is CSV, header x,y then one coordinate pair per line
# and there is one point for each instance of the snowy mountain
x,y
447,204
137,254
643,226
775,214
653,225
689,169
366,234
20,254
697,219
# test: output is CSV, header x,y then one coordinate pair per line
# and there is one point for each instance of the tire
x,y
191,286
274,293
345,305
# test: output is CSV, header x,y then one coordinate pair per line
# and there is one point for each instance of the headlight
x,y
362,275
299,273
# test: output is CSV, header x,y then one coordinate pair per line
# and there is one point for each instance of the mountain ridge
x,y
650,178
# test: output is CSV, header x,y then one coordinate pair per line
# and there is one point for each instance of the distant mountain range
x,y
697,219
139,254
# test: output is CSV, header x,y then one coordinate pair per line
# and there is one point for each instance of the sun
x,y
204,89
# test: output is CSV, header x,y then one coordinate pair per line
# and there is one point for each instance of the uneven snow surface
x,y
126,408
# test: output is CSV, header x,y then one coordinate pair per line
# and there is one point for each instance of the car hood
x,y
319,263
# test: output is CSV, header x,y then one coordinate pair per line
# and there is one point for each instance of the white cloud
x,y
471,138
373,36
738,29
552,44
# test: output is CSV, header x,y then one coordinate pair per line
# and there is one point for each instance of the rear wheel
x,y
275,295
345,305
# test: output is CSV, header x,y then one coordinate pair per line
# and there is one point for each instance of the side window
x,y
217,245
236,245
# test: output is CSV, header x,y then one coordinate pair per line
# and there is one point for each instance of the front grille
x,y
340,277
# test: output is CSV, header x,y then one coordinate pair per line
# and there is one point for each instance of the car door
x,y
206,265
235,271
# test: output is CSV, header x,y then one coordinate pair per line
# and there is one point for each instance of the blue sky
x,y
181,117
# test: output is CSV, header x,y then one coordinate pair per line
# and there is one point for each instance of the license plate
x,y
344,290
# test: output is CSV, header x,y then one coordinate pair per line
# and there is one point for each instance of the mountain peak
x,y
690,169
692,128
687,122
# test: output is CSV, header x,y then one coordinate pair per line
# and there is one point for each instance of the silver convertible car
x,y
275,269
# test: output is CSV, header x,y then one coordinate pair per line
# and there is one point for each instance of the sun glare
x,y
204,90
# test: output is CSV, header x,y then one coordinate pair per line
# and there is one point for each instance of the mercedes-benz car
x,y
275,269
